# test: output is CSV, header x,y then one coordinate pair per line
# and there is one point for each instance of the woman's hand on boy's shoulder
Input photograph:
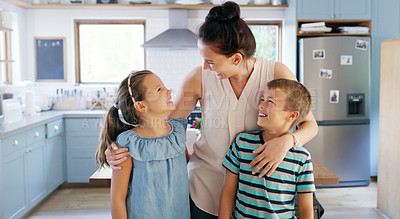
x,y
271,155
115,156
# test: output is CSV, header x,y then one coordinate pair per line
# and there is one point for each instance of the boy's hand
x,y
116,156
272,154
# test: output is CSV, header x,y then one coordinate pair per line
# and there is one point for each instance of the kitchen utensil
x,y
217,2
12,111
262,2
276,2
8,96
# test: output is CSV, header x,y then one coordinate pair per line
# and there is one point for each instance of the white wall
x,y
171,65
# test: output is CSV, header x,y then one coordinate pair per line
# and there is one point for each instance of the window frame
x,y
7,61
79,22
279,40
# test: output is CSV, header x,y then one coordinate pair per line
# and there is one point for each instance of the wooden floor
x,y
71,203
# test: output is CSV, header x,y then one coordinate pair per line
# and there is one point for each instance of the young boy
x,y
283,105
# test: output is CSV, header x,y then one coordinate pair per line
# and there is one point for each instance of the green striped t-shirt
x,y
267,197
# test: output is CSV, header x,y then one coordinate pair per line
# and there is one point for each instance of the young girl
x,y
154,182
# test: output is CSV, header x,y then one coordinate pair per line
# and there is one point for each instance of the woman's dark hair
x,y
113,126
226,32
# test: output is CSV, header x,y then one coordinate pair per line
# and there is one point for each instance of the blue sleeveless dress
x,y
158,187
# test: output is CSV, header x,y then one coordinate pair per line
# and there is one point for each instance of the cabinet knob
x,y
37,134
337,15
15,143
28,150
332,15
56,127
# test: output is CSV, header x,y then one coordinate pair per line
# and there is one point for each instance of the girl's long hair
x,y
112,124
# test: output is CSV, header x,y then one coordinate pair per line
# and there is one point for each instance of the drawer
x,y
13,143
55,128
92,124
35,134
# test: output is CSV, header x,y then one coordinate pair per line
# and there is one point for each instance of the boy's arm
x,y
306,208
119,189
228,194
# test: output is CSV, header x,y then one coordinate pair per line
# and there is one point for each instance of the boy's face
x,y
271,113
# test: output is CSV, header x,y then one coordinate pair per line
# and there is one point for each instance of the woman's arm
x,y
306,208
273,151
188,95
227,201
119,189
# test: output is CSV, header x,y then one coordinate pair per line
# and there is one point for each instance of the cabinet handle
x,y
15,143
37,134
56,128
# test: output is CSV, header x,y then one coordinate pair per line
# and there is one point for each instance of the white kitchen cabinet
x,y
333,9
82,139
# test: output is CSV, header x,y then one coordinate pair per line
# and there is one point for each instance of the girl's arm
x,y
306,208
272,152
119,189
227,201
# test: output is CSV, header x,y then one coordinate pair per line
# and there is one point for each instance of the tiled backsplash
x,y
172,65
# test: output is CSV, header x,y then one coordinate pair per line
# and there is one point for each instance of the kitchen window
x,y
268,39
108,50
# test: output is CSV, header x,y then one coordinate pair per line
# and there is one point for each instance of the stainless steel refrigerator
x,y
336,70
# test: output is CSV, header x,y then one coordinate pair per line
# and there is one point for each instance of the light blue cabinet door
x,y
36,173
82,139
352,9
315,9
14,175
81,157
54,162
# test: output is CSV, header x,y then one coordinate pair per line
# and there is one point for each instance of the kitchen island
x,y
322,175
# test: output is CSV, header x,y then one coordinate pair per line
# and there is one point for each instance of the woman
x,y
229,87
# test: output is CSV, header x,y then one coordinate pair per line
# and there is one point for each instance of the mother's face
x,y
220,64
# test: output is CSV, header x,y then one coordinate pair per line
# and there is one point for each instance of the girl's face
x,y
271,110
158,97
221,65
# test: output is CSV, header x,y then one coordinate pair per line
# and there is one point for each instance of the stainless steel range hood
x,y
177,36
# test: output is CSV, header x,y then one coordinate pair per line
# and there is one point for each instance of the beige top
x,y
223,117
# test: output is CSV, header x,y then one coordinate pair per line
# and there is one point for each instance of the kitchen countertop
x,y
322,175
27,122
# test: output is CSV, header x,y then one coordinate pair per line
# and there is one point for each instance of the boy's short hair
x,y
298,98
